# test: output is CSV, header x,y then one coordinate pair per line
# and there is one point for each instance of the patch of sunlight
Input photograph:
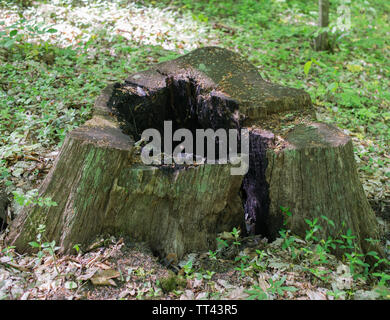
x,y
145,25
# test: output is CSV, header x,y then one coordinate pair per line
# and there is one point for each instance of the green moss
x,y
172,282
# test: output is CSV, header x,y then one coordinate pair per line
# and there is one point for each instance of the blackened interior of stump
x,y
4,203
254,189
188,105
181,100
3,224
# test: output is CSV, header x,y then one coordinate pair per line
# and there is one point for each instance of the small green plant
x,y
277,288
31,197
208,275
317,251
314,227
288,240
256,293
379,261
213,254
44,247
236,235
8,251
328,245
70,285
222,243
337,294
328,221
384,278
5,174
308,65
322,274
188,269
359,268
349,241
259,263
244,266
77,248
383,291
287,214
383,285
320,254
151,291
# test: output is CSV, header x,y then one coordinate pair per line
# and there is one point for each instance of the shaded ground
x,y
124,270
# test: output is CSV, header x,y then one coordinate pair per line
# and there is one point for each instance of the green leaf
x,y
372,253
333,87
76,247
307,67
13,33
9,43
360,262
52,30
70,285
291,289
34,244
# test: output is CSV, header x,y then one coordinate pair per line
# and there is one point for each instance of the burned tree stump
x,y
101,186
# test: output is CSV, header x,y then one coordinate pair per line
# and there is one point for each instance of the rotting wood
x,y
101,186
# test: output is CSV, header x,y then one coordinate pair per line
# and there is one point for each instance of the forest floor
x,y
56,57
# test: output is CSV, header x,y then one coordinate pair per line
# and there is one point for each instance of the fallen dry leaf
x,y
104,277
90,273
314,295
226,235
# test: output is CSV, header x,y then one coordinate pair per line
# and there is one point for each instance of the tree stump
x,y
101,186
315,175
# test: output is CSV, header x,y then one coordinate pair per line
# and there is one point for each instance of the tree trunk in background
x,y
321,43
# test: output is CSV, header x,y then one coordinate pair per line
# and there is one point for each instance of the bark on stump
x,y
101,186
315,175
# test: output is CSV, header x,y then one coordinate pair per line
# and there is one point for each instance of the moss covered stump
x,y
101,186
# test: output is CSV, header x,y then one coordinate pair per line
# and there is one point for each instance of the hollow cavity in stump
x,y
189,105
182,101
